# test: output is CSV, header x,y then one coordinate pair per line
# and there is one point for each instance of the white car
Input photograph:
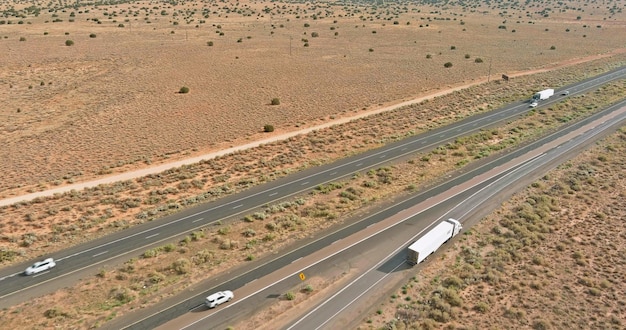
x,y
534,105
40,266
565,93
218,298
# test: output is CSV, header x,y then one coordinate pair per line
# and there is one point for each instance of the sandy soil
x,y
157,274
110,103
547,259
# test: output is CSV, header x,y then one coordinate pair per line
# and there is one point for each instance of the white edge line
x,y
350,246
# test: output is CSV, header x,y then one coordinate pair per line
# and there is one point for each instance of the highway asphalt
x,y
86,259
386,249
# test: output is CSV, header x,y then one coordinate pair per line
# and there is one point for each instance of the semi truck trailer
x,y
432,240
543,95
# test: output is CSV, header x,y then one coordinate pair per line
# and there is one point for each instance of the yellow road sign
x,y
302,277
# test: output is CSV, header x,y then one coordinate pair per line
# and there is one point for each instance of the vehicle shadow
x,y
397,263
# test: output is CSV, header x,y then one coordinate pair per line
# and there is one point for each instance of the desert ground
x,y
550,258
110,101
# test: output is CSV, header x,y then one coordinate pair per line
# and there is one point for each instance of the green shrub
x,y
290,295
268,128
447,65
275,101
69,43
184,90
151,253
197,235
93,35
209,43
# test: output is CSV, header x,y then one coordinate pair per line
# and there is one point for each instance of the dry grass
x,y
168,269
548,258
110,103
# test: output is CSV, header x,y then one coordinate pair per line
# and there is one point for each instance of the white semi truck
x,y
543,95
432,240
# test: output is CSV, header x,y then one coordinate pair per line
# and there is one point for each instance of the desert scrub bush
x,y
290,295
197,235
514,313
268,128
224,230
92,35
150,253
447,65
183,90
259,215
54,313
121,295
249,232
28,239
69,43
156,277
275,101
326,188
314,34
478,60
481,307
452,297
202,256
181,266
6,254
169,247
102,273
22,38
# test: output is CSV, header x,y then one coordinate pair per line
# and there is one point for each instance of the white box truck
x,y
432,240
543,95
